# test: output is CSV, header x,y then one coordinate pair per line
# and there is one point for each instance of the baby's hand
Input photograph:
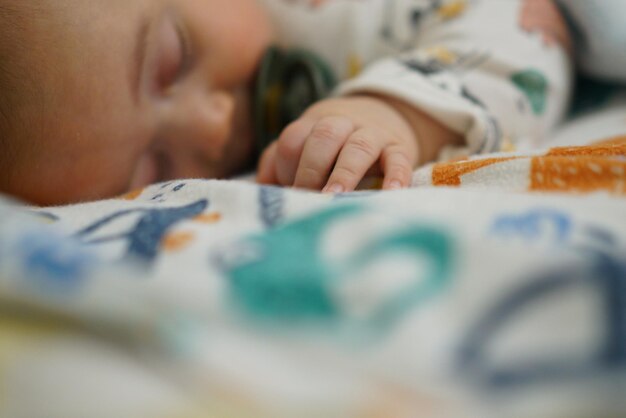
x,y
336,142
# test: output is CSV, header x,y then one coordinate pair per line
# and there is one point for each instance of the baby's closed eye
x,y
171,56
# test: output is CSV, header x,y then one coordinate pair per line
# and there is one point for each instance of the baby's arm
x,y
474,78
337,141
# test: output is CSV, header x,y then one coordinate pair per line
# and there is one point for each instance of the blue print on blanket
x,y
600,278
50,261
599,275
143,238
557,229
283,277
271,204
47,216
535,224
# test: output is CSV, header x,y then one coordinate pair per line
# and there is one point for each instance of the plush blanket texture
x,y
501,294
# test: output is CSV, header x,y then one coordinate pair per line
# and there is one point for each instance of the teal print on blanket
x,y
287,279
534,85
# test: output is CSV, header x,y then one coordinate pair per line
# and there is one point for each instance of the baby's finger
x,y
320,151
397,167
361,151
289,149
266,171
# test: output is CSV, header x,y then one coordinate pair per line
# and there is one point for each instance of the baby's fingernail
x,y
334,188
394,185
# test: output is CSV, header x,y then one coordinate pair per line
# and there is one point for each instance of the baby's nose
x,y
202,124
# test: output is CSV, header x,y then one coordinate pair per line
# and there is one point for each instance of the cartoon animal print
x,y
50,260
445,69
534,224
144,237
534,85
438,59
282,277
403,19
600,275
603,278
271,204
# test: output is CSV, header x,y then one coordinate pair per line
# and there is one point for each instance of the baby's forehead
x,y
65,95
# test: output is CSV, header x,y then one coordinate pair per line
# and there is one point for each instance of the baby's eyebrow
x,y
139,55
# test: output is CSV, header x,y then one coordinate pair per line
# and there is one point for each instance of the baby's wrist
x,y
430,135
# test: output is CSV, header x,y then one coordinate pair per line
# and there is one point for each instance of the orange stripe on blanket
x,y
449,174
604,149
578,174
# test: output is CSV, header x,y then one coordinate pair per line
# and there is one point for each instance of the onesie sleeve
x,y
474,67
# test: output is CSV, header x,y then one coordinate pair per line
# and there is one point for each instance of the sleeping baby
x,y
100,97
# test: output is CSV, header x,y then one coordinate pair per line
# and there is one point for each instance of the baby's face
x,y
131,92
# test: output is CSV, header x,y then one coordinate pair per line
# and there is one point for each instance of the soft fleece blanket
x,y
502,294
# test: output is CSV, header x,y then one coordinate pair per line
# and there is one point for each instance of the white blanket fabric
x,y
223,298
